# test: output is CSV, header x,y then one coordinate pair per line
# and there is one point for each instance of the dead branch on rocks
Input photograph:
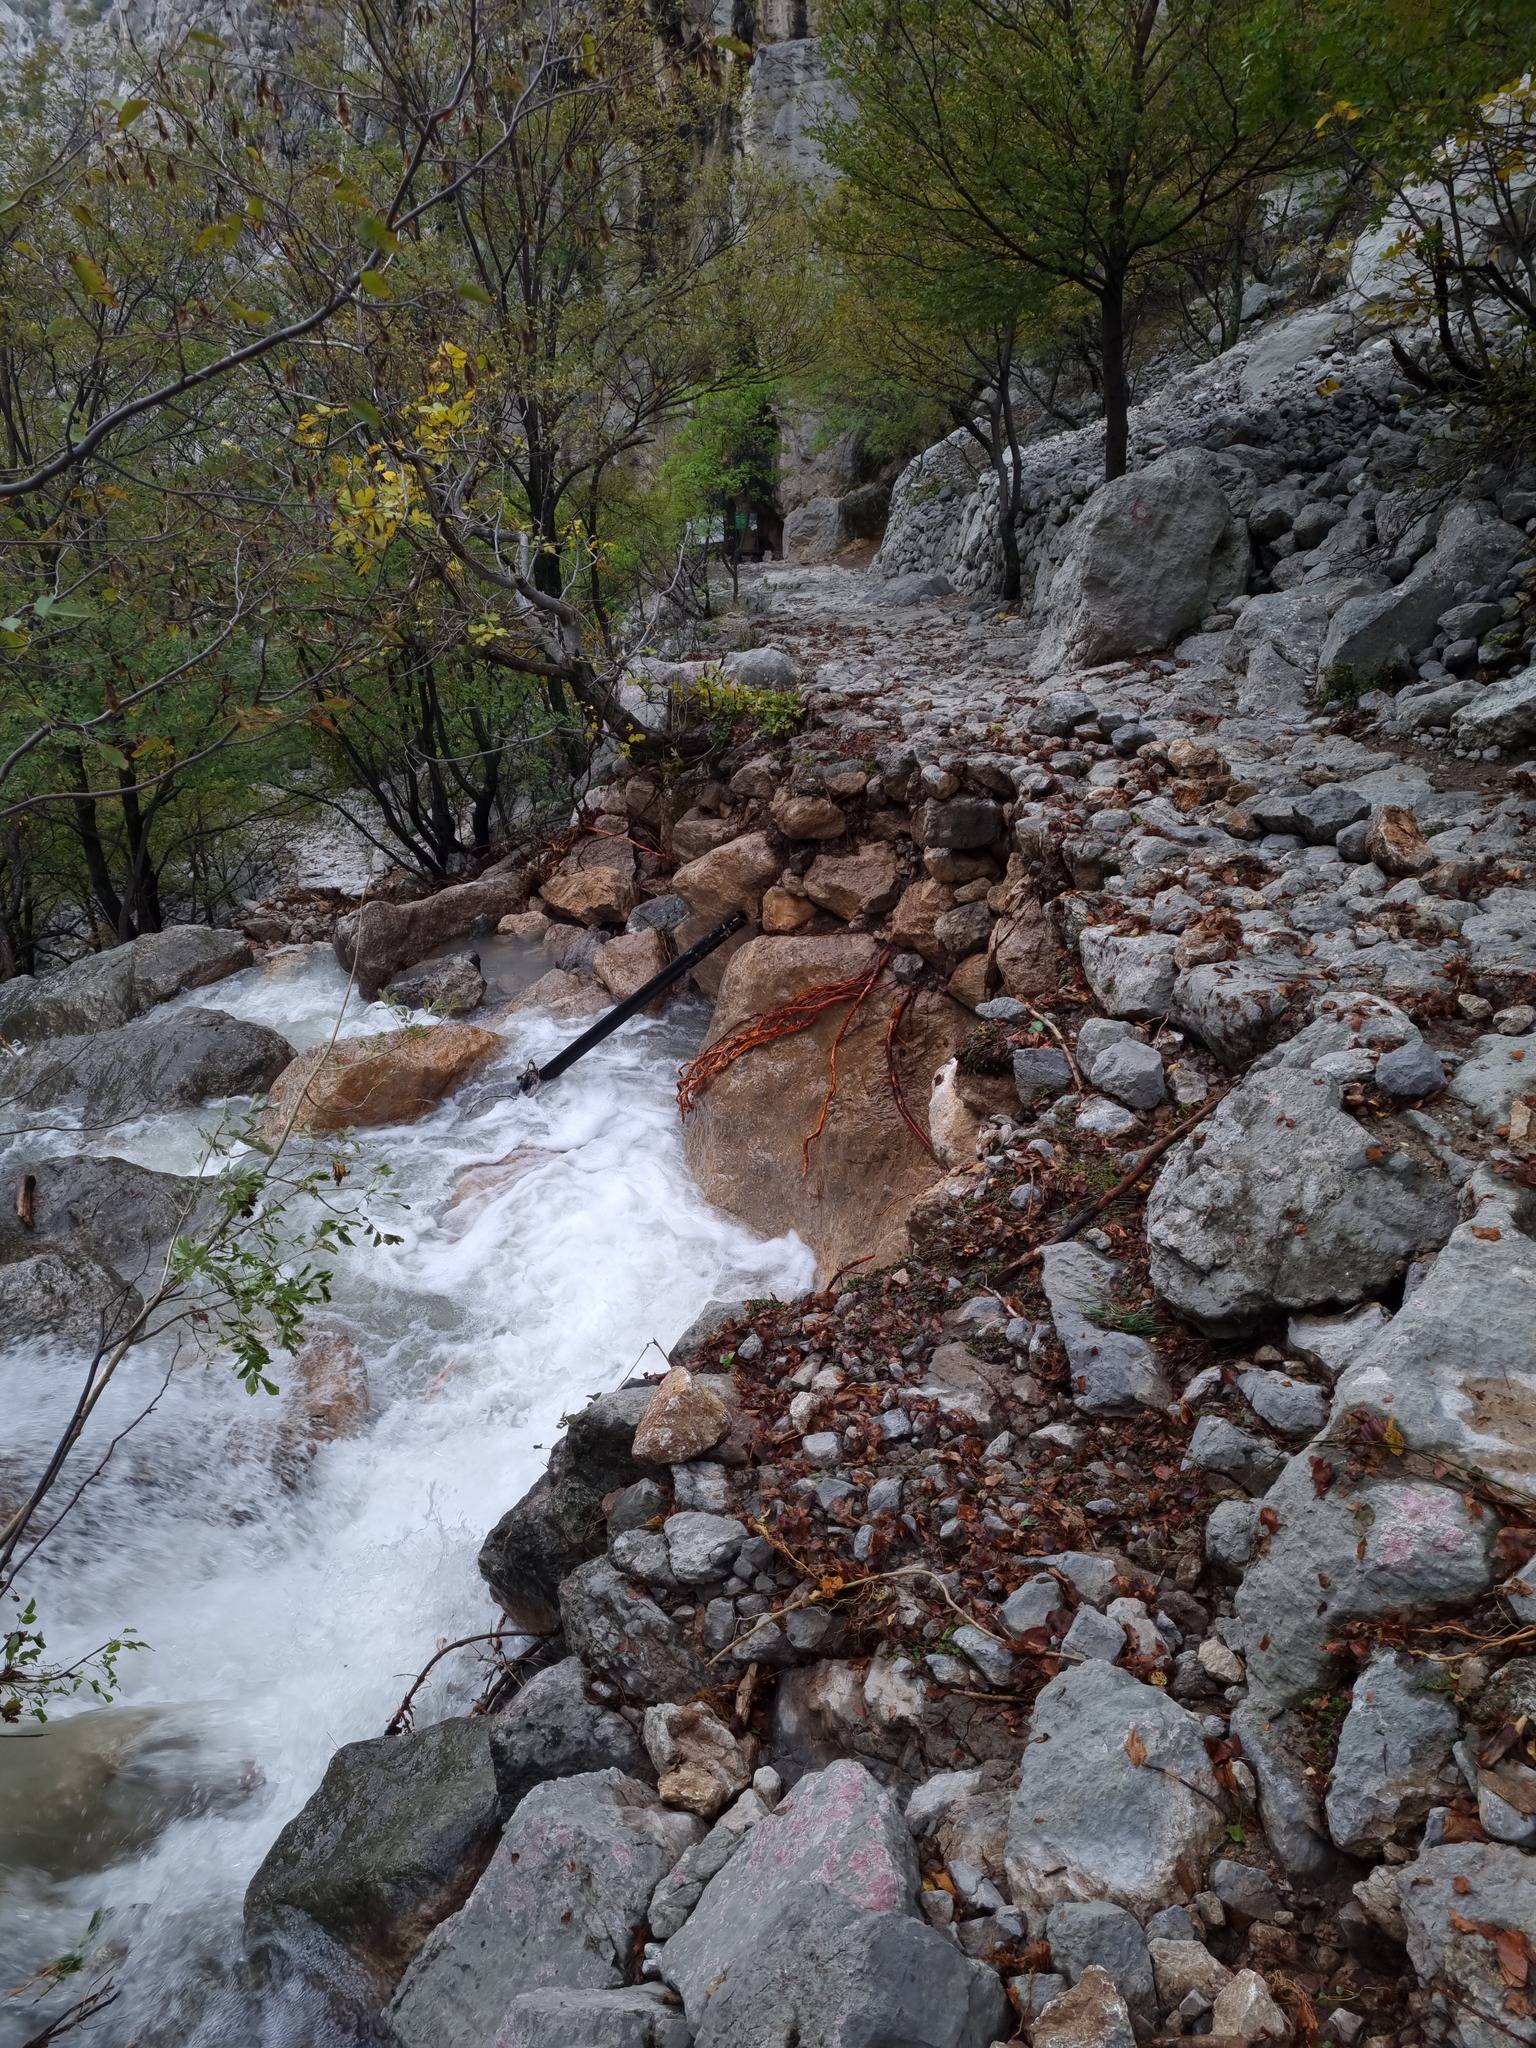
x,y
401,1721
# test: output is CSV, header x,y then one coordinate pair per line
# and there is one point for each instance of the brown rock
x,y
595,895
1394,840
628,962
328,1398
391,1077
1244,2011
699,1763
744,1141
863,883
971,981
562,994
1025,949
785,913
696,834
733,877
523,924
375,941
683,1419
807,817
942,864
914,924
1091,2015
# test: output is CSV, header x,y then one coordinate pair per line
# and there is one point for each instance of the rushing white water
x,y
287,1619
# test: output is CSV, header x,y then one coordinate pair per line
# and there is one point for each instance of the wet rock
x,y
1286,1202
1116,1797
560,1905
1092,2014
617,1631
683,1419
448,988
1393,1761
961,825
389,1077
327,1397
112,988
866,1169
560,994
559,1521
67,1294
390,1844
701,1767
551,1729
733,877
864,883
172,1061
376,941
1113,1372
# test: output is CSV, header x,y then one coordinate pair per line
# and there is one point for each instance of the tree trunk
x,y
1117,397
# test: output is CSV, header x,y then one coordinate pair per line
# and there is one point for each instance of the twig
x,y
400,1720
1050,1024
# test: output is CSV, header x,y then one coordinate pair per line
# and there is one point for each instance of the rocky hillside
x,y
1106,1610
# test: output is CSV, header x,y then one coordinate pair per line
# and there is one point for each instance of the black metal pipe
x,y
621,1012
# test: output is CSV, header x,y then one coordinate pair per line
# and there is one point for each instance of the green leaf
x,y
207,37
350,193
219,234
474,295
61,608
130,111
373,230
375,284
369,415
93,279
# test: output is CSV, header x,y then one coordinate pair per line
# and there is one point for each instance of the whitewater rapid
x,y
285,1620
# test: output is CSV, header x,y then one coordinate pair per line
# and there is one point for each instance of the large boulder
x,y
390,1844
174,1061
809,1936
1282,1200
616,1630
745,1141
560,1906
1389,627
558,1523
377,940
1393,1761
1116,1796
389,1077
1147,557
636,2016
109,1209
1503,715
107,989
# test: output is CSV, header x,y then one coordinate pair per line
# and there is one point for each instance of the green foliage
x,y
1345,684
29,1685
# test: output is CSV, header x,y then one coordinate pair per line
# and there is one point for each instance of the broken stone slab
x,y
683,1419
1496,1072
1113,1372
1234,1007
1116,1796
1084,1933
1295,1407
559,1906
1331,1342
1238,1454
1276,1748
1393,1761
